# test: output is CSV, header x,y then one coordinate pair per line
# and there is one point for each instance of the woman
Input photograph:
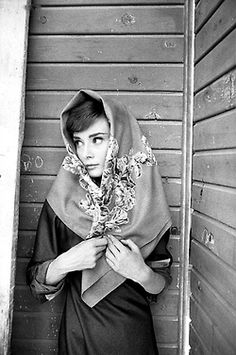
x,y
103,232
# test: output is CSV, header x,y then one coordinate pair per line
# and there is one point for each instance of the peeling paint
x,y
225,91
153,114
128,19
170,44
43,19
26,162
208,239
133,79
38,162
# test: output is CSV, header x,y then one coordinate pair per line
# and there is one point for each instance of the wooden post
x,y
187,144
13,42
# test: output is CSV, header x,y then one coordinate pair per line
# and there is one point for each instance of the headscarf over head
x,y
129,203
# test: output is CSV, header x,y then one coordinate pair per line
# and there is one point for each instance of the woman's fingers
x,y
114,241
130,244
99,242
110,256
99,255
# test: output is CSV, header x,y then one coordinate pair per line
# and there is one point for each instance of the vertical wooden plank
x,y
14,21
185,217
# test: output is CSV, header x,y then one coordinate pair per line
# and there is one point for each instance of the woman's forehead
x,y
101,125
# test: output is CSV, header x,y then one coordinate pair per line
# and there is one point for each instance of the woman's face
x,y
92,144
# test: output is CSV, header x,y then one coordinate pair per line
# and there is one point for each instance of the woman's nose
x,y
88,151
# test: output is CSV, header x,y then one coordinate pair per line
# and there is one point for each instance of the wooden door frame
x,y
14,16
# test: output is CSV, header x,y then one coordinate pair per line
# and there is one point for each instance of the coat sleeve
x,y
160,261
46,249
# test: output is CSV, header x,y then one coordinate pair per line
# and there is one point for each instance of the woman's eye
x,y
97,140
77,143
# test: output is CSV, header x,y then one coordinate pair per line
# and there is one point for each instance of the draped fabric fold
x,y
129,203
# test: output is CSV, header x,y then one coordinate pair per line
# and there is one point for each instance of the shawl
x,y
129,203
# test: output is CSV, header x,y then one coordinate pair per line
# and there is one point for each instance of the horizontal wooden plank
x,y
166,329
29,214
221,59
25,302
167,304
217,237
46,133
216,133
35,326
133,77
25,244
36,188
33,347
223,20
218,274
216,98
202,325
159,106
216,202
216,167
163,135
220,314
85,20
113,49
47,161
42,161
103,2
204,10
22,264
167,349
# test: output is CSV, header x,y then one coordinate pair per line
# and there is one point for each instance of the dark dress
x,y
120,324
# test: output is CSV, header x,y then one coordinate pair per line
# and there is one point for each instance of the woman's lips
x,y
91,166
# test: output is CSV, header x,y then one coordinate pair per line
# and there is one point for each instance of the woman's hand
x,y
125,258
80,257
84,255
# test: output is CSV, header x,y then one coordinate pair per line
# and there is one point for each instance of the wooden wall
x,y
213,249
130,50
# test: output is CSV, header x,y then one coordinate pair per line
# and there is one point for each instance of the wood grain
x,y
102,20
220,60
196,343
216,202
204,10
105,77
218,311
113,49
103,2
216,236
202,325
222,21
217,97
218,167
219,275
219,132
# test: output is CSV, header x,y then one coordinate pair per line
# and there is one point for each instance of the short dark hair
x,y
83,116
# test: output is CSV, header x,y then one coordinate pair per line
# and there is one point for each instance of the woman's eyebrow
x,y
98,133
